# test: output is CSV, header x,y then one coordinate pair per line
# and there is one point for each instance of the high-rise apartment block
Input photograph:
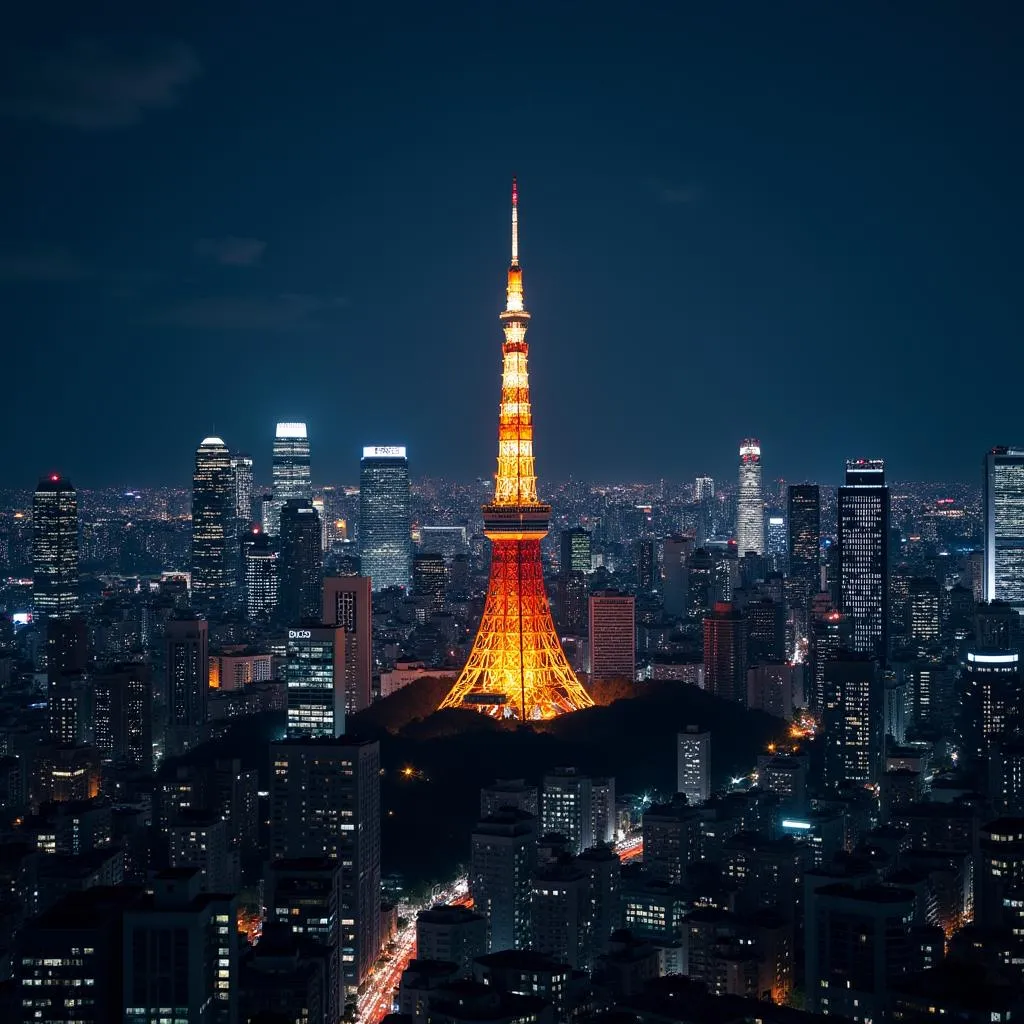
x,y
455,934
864,556
241,468
502,860
261,574
215,540
750,502
325,801
348,603
854,720
566,807
675,569
693,764
123,714
55,548
315,676
1003,497
612,636
385,541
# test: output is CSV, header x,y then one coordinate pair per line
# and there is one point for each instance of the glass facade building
x,y
301,562
385,543
55,548
804,540
290,471
1004,526
750,503
864,556
315,677
215,541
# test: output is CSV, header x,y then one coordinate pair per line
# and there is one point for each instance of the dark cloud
x,y
285,312
47,265
99,84
231,251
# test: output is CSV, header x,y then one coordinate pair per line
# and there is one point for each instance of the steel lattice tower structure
x,y
517,668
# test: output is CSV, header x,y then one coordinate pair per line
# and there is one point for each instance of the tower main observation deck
x,y
517,668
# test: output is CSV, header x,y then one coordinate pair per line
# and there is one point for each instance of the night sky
x,y
796,221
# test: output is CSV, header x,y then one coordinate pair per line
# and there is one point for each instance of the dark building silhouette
x,y
725,653
301,563
804,519
123,714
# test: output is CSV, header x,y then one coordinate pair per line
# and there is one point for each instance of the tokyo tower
x,y
517,668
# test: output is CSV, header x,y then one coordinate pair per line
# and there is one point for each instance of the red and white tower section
x,y
517,668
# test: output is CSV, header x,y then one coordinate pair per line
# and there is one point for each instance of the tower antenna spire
x,y
515,223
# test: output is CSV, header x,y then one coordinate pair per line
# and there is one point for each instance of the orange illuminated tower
x,y
517,668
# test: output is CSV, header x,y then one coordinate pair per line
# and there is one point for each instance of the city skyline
x,y
676,198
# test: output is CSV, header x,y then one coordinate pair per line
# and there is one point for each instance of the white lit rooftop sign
x,y
791,823
384,452
992,659
291,430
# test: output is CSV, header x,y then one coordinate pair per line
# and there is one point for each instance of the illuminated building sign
x,y
384,452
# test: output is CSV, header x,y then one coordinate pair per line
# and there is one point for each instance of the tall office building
x,y
1003,575
55,548
187,662
703,488
575,551
829,633
854,719
990,699
325,801
241,466
429,577
261,561
675,574
503,855
693,764
923,613
300,564
347,602
804,513
215,544
314,672
646,565
750,501
123,714
612,636
725,653
385,541
864,556
290,471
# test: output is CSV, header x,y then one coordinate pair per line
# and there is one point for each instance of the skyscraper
x,y
215,543
55,548
315,675
385,541
612,636
347,603
804,541
290,471
517,667
429,577
675,569
750,501
575,551
864,556
854,719
241,465
123,714
300,564
1003,578
187,660
725,653
325,800
261,574
646,563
